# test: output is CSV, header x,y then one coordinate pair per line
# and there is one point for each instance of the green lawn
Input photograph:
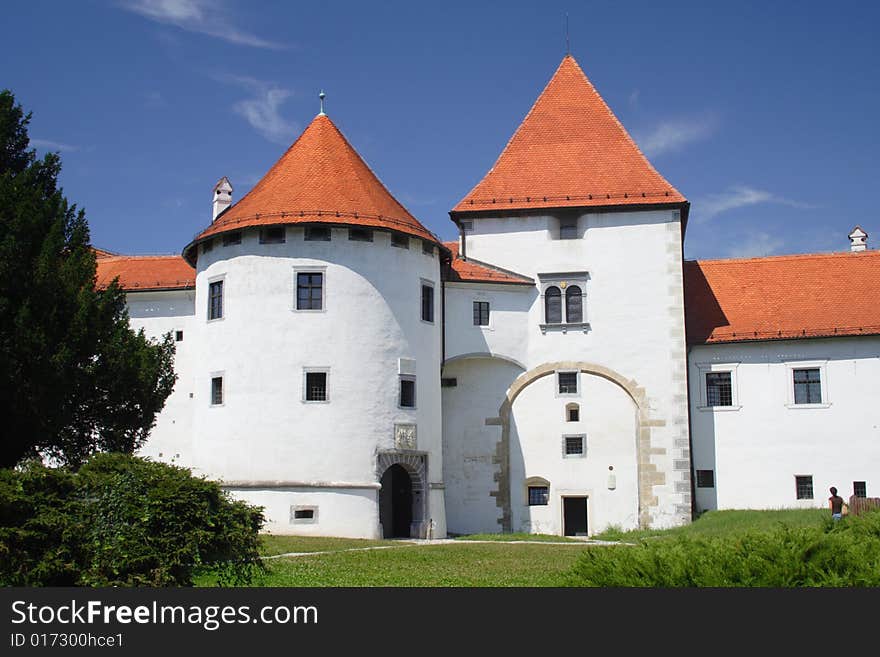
x,y
544,538
272,544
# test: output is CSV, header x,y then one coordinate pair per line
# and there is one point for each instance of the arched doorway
x,y
396,502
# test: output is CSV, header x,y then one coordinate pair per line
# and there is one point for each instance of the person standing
x,y
835,503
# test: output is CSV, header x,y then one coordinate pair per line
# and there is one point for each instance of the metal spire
x,y
322,95
567,41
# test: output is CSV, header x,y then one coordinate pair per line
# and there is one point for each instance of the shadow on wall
x,y
703,314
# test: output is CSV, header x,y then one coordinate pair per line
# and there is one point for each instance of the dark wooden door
x,y
395,502
575,516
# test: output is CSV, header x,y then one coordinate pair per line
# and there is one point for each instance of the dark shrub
x,y
846,553
122,521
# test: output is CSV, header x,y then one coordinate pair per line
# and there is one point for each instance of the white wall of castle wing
x,y
608,424
158,313
264,430
758,446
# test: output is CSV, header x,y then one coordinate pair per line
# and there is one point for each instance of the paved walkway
x,y
419,542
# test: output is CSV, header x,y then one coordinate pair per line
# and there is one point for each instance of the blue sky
x,y
765,115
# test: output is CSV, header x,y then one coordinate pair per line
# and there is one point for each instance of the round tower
x,y
318,313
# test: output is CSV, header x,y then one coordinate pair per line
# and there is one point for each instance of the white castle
x,y
559,369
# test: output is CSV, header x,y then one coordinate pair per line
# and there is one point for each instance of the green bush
x,y
840,554
122,521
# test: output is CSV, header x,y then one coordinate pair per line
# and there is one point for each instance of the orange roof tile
x,y
782,297
320,179
569,151
103,253
474,271
146,272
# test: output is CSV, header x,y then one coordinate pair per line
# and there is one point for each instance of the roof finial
x,y
322,95
567,41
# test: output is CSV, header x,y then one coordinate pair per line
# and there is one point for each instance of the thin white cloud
x,y
634,97
757,244
739,196
261,111
674,134
200,16
49,145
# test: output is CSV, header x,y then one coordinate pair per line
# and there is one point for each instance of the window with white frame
x,y
567,383
309,290
315,385
719,389
539,495
572,412
217,390
718,386
574,446
407,397
427,302
807,384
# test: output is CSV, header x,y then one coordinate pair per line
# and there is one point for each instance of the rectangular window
x,y
481,313
230,239
207,246
860,489
216,391
407,392
304,514
467,225
316,386
804,487
272,235
807,386
400,241
568,383
427,248
568,228
719,390
215,300
178,336
317,234
539,495
309,290
450,382
705,479
574,413
574,446
427,303
360,234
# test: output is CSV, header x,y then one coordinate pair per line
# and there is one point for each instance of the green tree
x,y
74,378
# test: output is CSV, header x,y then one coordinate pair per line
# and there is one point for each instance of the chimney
x,y
222,196
858,239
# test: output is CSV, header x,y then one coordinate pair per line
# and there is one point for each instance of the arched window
x,y
553,305
574,309
572,412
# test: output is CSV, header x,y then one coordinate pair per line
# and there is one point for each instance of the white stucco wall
x,y
759,445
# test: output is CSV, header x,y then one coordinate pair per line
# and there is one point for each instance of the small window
x,y
230,239
860,489
215,300
568,383
553,305
467,225
574,305
807,386
705,479
427,303
450,382
481,313
568,228
217,391
360,234
572,413
304,514
317,234
207,246
427,248
719,390
309,290
574,446
178,336
539,495
399,241
316,386
272,235
804,487
407,392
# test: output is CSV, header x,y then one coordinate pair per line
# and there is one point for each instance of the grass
x,y
544,538
272,545
727,523
462,564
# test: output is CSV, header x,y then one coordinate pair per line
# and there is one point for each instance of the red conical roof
x,y
569,151
320,179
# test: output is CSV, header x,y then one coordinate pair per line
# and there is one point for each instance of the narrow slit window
x,y
428,303
215,300
572,413
178,336
553,305
574,307
216,391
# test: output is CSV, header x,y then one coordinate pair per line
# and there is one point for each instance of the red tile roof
x,y
103,253
320,179
474,271
138,273
782,297
569,151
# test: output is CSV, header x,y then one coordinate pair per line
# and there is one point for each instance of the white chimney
x,y
222,196
858,239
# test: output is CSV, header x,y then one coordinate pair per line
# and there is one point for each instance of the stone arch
x,y
648,474
416,465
